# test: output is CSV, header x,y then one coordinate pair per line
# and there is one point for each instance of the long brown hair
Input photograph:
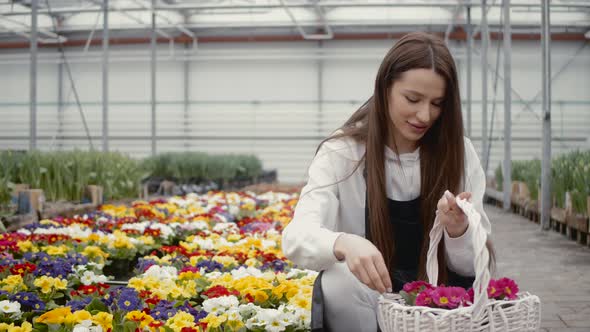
x,y
441,148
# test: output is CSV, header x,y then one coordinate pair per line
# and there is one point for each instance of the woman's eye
x,y
413,101
436,104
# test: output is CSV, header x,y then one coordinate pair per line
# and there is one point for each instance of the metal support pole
x,y
33,78
469,51
320,91
153,77
60,105
186,85
484,83
105,76
546,162
507,105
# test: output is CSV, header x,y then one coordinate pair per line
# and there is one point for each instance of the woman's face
x,y
415,101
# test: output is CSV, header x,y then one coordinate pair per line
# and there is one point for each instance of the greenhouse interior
x,y
294,165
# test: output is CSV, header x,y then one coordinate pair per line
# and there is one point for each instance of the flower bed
x,y
198,262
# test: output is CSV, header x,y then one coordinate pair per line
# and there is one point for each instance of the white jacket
x,y
322,214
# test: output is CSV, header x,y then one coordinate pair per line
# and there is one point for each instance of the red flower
x,y
218,291
144,293
249,298
87,290
189,329
153,300
156,324
22,269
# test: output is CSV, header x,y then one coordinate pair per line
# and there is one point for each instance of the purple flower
x,y
277,265
143,264
28,301
164,310
210,266
129,299
79,304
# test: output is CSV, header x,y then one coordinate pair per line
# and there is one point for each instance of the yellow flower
x,y
104,319
94,237
234,237
81,315
252,262
13,283
60,284
55,316
25,327
94,252
225,260
280,290
26,246
48,283
147,240
180,320
49,222
55,250
213,320
189,275
4,327
140,317
137,283
301,301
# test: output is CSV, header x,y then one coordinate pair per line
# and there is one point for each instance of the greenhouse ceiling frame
x,y
156,8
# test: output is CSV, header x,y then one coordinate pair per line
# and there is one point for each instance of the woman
x,y
376,185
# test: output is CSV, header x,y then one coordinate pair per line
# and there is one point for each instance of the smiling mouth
x,y
417,127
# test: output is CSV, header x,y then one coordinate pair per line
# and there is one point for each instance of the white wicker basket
x,y
522,314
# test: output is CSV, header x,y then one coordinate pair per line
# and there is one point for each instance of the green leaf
x,y
96,305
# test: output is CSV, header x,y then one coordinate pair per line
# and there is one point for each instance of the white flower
x,y
268,244
272,320
211,275
234,210
86,326
233,314
165,230
220,305
243,272
9,307
248,309
24,231
89,278
162,272
99,266
205,244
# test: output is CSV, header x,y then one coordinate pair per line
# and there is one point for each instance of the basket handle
x,y
481,259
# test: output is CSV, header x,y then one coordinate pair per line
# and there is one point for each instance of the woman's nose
x,y
423,114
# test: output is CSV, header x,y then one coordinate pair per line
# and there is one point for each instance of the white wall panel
x,y
270,108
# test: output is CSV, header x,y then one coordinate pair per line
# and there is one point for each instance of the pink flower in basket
x,y
502,289
424,299
417,286
449,297
420,293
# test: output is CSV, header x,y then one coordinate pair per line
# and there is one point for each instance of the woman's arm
x,y
459,250
306,240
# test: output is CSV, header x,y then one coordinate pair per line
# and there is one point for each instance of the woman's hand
x,y
364,260
450,215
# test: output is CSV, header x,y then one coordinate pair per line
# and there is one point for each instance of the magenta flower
x,y
508,288
468,297
417,286
441,297
456,296
424,299
494,292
